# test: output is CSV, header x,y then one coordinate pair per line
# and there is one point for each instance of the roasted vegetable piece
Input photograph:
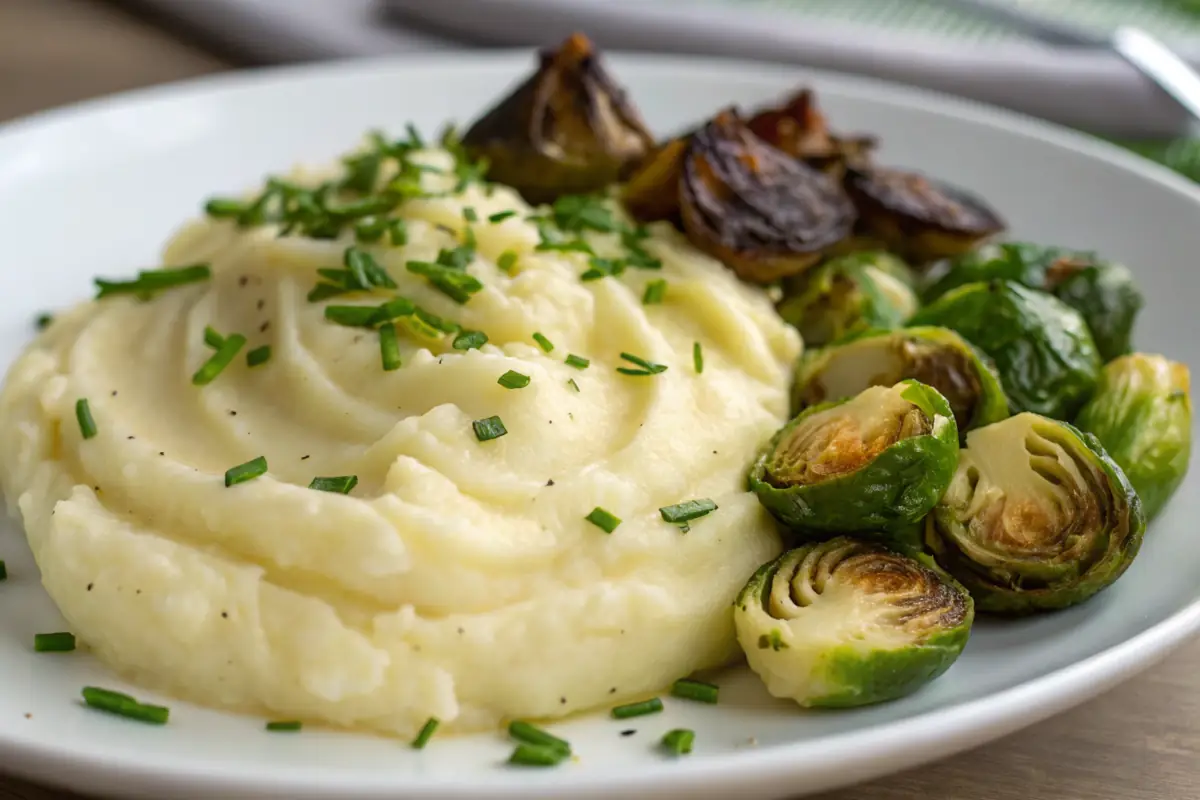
x,y
848,295
917,217
1041,347
1102,291
763,213
568,129
652,192
1142,414
1037,517
844,623
798,128
878,461
938,357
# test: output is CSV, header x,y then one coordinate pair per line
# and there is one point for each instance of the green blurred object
x,y
1181,155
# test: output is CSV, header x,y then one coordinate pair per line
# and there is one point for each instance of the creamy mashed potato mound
x,y
460,578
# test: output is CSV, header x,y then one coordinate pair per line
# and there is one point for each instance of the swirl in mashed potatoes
x,y
459,579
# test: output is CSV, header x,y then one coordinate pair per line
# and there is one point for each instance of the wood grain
x,y
1139,742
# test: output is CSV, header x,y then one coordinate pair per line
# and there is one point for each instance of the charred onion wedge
x,y
757,209
568,129
798,128
917,217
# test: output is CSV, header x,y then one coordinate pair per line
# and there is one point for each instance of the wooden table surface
x,y
1139,742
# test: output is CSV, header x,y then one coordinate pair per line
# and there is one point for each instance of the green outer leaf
x,y
999,589
1041,347
890,493
1142,414
992,405
853,674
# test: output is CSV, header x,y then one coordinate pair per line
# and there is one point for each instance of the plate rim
x,y
879,749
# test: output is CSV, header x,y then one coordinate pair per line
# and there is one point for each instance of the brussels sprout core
x,y
845,623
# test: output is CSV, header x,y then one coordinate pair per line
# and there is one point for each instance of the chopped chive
x,y
324,291
365,270
352,316
394,309
646,367
470,215
43,320
450,281
531,734
426,733
212,338
513,380
219,360
543,342
571,382
532,755
578,362
125,706
389,347
53,642
258,356
470,340
500,216
695,690
489,428
679,741
687,511
224,207
397,232
3,570
150,281
339,485
285,725
414,137
246,472
655,292
370,229
697,357
604,520
506,261
651,706
83,413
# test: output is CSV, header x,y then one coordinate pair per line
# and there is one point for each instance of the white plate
x,y
97,188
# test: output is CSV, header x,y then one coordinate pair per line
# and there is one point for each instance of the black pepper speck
x,y
242,281
90,586
629,732
261,304
263,328
550,482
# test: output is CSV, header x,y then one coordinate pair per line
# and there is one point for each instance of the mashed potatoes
x,y
459,579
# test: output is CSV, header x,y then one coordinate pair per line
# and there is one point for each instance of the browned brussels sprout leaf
x,y
652,192
917,217
568,129
757,209
799,129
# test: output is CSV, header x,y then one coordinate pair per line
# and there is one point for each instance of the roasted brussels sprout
x,y
1102,291
847,295
568,129
844,623
763,213
1142,414
799,129
652,192
917,217
1041,347
937,357
878,461
1037,517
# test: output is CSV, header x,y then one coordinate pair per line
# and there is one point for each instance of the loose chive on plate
x,y
695,690
426,733
124,706
532,755
531,734
679,741
651,706
286,725
53,642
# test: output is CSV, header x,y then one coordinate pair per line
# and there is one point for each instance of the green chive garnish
x,y
513,380
426,733
543,342
644,367
352,316
531,755
212,338
500,216
339,485
695,690
324,291
219,360
397,232
224,208
604,520
531,734
450,281
154,280
3,571
697,358
246,472
651,706
125,706
679,741
655,292
43,320
53,642
470,340
365,270
488,429
578,362
571,382
469,214
370,229
83,413
389,347
688,511
258,356
507,260
285,725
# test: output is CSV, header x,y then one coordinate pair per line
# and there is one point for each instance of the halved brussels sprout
x,y
568,129
1142,414
1037,517
844,623
799,129
878,461
917,217
937,357
1102,291
847,295
652,192
1041,347
762,212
